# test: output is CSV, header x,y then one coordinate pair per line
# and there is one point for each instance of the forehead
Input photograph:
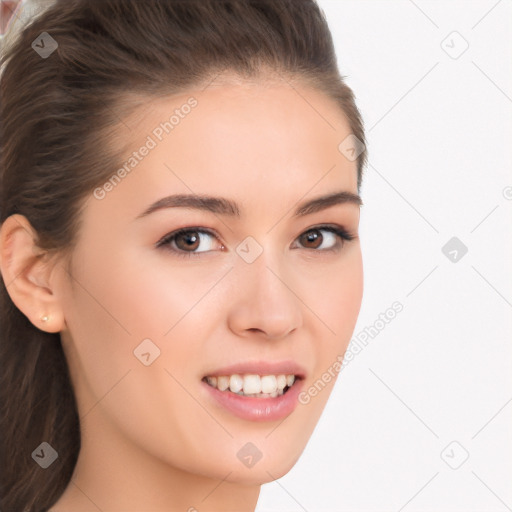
x,y
265,144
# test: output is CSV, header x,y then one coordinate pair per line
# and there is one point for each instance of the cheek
x,y
335,294
347,293
164,297
109,314
336,300
143,296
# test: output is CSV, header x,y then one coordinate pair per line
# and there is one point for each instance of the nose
x,y
265,301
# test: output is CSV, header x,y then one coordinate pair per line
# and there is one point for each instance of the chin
x,y
265,470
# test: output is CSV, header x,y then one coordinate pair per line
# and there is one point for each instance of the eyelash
x,y
166,241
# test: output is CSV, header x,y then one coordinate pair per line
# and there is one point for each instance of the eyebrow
x,y
223,206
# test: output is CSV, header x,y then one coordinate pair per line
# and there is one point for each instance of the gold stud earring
x,y
45,318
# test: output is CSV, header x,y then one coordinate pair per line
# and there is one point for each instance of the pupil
x,y
191,238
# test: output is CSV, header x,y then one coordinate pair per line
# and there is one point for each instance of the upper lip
x,y
261,368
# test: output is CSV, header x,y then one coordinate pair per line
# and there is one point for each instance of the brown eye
x,y
311,239
325,238
188,240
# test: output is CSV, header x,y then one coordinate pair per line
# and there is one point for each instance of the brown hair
x,y
57,114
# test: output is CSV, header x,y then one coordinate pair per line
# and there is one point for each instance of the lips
x,y
256,407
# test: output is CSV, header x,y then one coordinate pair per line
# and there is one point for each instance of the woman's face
x,y
259,286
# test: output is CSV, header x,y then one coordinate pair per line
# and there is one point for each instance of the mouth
x,y
253,385
256,390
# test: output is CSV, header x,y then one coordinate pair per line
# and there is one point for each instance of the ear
x,y
27,270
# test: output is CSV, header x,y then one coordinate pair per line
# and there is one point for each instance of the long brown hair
x,y
57,113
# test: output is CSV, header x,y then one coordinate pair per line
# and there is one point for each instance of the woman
x,y
181,270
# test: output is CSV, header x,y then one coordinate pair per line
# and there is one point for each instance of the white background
x,y
439,140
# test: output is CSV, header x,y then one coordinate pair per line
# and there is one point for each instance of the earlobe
x,y
26,274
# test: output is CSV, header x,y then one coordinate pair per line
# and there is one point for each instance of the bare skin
x,y
152,437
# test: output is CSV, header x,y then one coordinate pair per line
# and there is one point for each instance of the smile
x,y
250,385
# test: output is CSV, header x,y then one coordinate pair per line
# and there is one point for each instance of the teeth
x,y
269,384
265,386
252,384
281,381
222,383
236,383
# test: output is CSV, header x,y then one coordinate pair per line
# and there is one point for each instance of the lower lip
x,y
258,409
